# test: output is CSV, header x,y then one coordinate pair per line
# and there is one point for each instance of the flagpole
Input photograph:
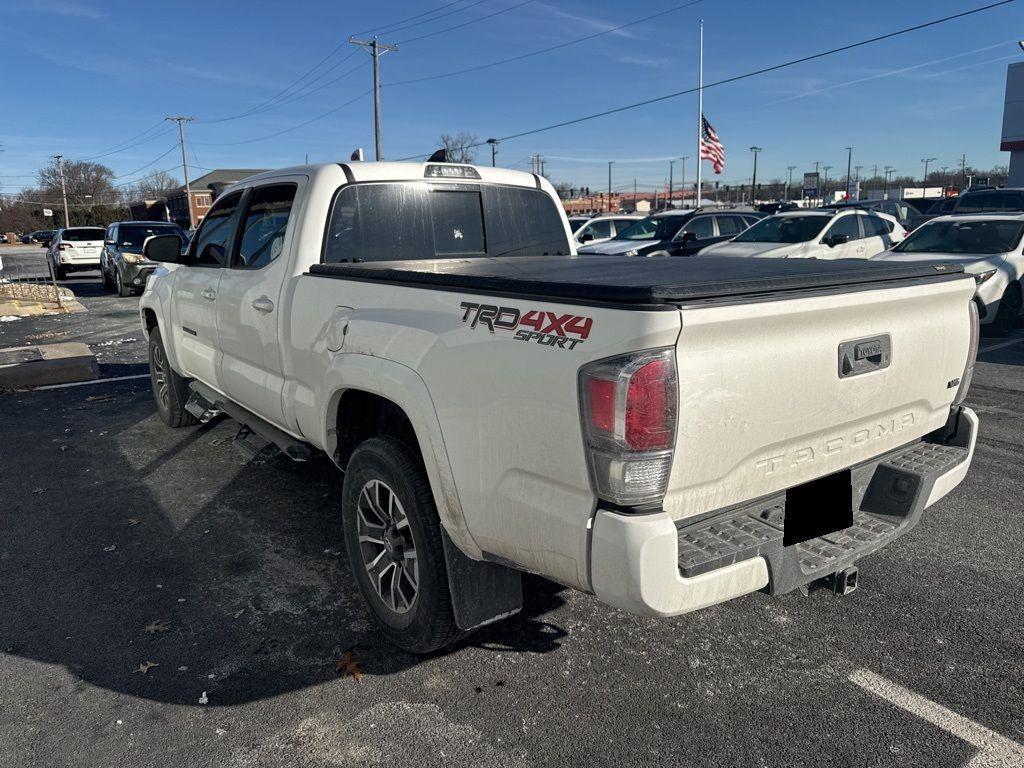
x,y
700,110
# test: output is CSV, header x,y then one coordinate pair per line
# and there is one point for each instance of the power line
x,y
735,78
466,23
393,29
151,162
386,27
549,49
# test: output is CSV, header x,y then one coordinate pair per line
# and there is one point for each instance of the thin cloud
x,y
588,21
65,8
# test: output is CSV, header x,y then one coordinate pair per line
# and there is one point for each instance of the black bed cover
x,y
632,280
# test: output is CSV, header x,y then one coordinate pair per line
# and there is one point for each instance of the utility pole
x,y
682,180
849,159
944,184
375,48
63,188
856,180
753,180
671,163
494,151
610,184
789,180
634,194
817,178
885,190
924,181
963,172
181,120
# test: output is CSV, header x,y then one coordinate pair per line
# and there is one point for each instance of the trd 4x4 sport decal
x,y
548,329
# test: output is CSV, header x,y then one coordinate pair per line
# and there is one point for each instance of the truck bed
x,y
631,280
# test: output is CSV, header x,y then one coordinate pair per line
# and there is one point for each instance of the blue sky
x,y
82,77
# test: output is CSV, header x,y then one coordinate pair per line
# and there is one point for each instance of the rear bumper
x,y
649,565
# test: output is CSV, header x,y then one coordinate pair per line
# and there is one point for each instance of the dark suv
x,y
122,264
986,200
676,233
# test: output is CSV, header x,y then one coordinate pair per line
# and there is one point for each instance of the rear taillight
x,y
628,407
972,356
64,247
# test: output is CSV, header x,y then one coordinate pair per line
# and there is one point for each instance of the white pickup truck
x,y
665,434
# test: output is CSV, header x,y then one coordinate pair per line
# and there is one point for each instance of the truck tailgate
x,y
776,393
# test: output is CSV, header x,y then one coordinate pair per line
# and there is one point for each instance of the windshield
x,y
136,234
81,235
784,229
971,237
653,228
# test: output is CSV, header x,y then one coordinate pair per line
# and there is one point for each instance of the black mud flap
x,y
482,592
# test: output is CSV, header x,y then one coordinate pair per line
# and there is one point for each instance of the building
x,y
205,190
1013,123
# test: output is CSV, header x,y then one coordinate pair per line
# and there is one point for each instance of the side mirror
x,y
587,237
833,240
163,248
686,237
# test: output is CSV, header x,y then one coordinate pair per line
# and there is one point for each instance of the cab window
x,y
212,243
266,223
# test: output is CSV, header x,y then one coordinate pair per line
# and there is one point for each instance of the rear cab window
x,y
396,221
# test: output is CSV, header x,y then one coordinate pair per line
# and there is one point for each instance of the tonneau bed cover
x,y
631,280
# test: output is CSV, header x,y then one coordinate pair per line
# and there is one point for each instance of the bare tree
x,y
154,185
459,147
86,182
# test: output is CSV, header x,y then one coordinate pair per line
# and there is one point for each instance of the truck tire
x,y
388,514
1009,311
170,391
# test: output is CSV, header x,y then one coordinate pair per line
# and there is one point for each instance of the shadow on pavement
x,y
113,522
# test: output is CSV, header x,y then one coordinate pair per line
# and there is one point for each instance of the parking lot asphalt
x,y
112,523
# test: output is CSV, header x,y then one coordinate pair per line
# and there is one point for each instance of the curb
x,y
36,366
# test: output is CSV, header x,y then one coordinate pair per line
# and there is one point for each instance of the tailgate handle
x,y
864,355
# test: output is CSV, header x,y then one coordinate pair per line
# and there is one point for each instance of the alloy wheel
x,y
387,546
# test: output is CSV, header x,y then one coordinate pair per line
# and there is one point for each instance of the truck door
x,y
196,284
248,316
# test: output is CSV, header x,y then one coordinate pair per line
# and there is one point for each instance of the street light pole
x,y
924,181
789,180
682,180
753,180
376,49
849,160
610,185
671,164
63,188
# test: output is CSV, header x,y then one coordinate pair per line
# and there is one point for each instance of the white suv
x,y
75,248
604,227
848,233
989,246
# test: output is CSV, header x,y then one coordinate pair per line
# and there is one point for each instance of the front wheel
x,y
170,391
393,539
124,291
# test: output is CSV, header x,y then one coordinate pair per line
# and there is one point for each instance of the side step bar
x,y
205,403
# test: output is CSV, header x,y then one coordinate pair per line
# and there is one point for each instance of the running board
x,y
209,403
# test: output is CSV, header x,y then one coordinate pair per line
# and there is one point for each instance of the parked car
x,y
74,249
989,200
986,245
938,208
604,227
575,222
664,434
676,233
843,233
770,208
898,209
43,236
123,267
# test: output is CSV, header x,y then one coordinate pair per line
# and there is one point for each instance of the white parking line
x,y
94,381
994,750
1009,343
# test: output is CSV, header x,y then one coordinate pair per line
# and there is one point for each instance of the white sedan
x,y
986,245
847,233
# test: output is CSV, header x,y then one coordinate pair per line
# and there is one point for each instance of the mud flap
x,y
482,592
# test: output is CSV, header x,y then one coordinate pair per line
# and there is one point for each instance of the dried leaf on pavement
x,y
157,625
111,548
237,613
133,521
347,665
145,666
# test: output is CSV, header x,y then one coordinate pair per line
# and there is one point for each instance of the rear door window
x,y
417,220
730,225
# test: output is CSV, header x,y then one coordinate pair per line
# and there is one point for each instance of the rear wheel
x,y
393,539
170,391
59,273
1009,311
108,284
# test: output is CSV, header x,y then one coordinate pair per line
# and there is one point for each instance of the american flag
x,y
710,146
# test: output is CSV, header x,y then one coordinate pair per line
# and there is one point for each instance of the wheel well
x,y
149,316
362,415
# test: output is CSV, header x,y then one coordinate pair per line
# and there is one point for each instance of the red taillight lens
x,y
649,415
63,247
601,394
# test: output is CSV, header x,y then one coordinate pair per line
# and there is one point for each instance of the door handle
x,y
209,294
263,304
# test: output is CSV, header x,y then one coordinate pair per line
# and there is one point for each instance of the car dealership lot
x,y
113,523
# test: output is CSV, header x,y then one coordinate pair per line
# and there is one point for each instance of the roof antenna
x,y
357,155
